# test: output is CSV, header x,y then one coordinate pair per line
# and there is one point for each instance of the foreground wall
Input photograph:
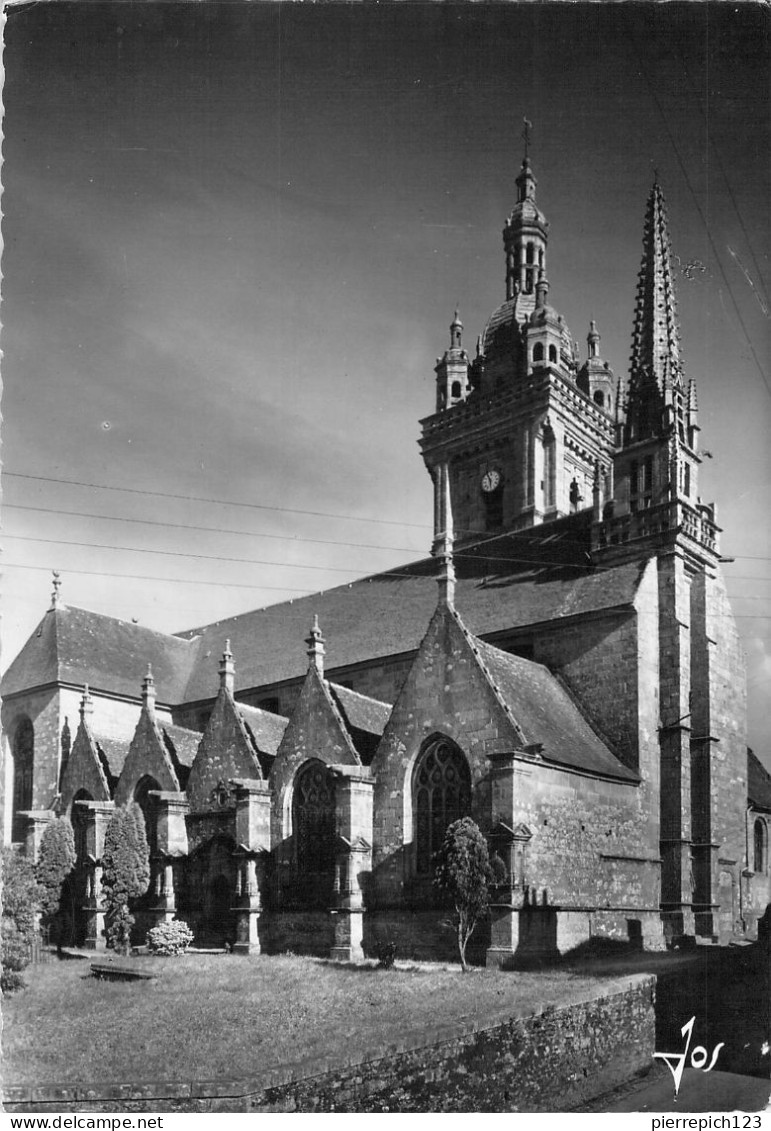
x,y
552,1060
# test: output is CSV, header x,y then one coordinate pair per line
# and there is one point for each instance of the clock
x,y
491,480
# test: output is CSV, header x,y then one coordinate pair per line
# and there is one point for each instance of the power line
x,y
209,529
216,502
169,580
178,554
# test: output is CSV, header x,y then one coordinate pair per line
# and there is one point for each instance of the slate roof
x,y
265,729
547,715
112,752
359,711
76,646
507,582
758,782
184,742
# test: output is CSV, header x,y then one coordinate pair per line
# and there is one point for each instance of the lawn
x,y
222,1016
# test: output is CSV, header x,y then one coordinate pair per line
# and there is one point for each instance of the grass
x,y
220,1016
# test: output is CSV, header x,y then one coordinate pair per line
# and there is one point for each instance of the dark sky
x,y
235,235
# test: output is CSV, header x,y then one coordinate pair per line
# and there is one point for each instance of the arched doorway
x,y
313,835
23,769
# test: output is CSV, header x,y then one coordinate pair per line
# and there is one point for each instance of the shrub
x,y
386,955
55,862
499,870
463,872
169,939
21,897
125,872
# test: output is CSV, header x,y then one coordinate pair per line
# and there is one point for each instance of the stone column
x,y
353,800
509,841
253,838
170,809
97,818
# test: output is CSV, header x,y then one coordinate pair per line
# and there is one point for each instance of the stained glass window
x,y
442,794
313,813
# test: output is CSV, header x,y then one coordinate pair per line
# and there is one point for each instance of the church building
x,y
564,667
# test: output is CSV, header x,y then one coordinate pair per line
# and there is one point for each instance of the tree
x,y
125,871
463,871
20,903
55,862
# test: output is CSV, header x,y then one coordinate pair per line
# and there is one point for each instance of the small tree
x,y
20,903
125,872
55,862
463,871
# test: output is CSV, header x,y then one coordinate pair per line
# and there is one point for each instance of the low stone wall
x,y
552,1059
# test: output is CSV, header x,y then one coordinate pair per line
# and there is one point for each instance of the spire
x,y
316,649
456,333
656,368
148,691
227,670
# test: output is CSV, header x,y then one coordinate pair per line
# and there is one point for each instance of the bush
x,y
55,862
21,898
169,939
126,872
499,870
386,955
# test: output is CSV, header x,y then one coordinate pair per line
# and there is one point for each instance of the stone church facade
x,y
564,668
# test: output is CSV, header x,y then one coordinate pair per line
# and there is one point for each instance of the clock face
x,y
491,479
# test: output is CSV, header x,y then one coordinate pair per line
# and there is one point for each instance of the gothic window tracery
x,y
442,794
313,819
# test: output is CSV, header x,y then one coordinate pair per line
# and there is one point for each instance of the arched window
x,y
599,398
455,389
442,794
553,354
759,846
23,766
146,804
79,821
538,351
530,253
313,819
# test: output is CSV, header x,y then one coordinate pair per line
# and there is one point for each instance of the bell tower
x,y
521,437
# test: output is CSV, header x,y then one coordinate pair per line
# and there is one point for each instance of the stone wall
x,y
551,1060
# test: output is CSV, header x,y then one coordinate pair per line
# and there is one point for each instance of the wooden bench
x,y
116,972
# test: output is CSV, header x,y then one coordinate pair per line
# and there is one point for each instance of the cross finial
x,y
526,132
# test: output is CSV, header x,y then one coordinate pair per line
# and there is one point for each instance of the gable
x,y
147,757
85,771
316,729
226,752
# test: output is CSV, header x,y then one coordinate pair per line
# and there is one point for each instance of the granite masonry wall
x,y
551,1060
